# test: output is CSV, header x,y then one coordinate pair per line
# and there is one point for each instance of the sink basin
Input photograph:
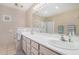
x,y
74,45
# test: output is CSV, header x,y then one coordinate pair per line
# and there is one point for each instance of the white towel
x,y
18,36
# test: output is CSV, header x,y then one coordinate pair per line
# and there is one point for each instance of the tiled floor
x,y
8,50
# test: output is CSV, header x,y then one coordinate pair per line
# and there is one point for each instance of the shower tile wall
x,y
7,29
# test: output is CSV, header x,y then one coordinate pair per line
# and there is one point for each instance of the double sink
x,y
55,40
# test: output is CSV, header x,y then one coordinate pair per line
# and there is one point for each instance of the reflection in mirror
x,y
60,29
72,29
47,26
55,17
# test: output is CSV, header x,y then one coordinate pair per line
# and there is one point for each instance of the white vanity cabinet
x,y
31,47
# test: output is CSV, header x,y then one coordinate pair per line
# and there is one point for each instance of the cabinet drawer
x,y
34,51
34,44
46,51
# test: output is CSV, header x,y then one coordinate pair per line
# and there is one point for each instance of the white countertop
x,y
42,38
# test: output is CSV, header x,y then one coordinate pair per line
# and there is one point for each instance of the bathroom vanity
x,y
31,47
46,44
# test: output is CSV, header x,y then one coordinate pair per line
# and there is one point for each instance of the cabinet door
x,y
34,44
34,51
34,48
28,46
24,45
28,49
46,51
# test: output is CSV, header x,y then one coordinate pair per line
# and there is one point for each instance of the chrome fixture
x,y
70,39
18,5
62,37
70,34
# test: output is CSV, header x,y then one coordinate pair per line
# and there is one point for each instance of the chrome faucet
x,y
62,38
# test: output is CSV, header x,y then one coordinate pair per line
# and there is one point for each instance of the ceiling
x,y
25,6
44,9
54,8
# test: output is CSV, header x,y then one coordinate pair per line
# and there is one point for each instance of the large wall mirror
x,y
56,18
